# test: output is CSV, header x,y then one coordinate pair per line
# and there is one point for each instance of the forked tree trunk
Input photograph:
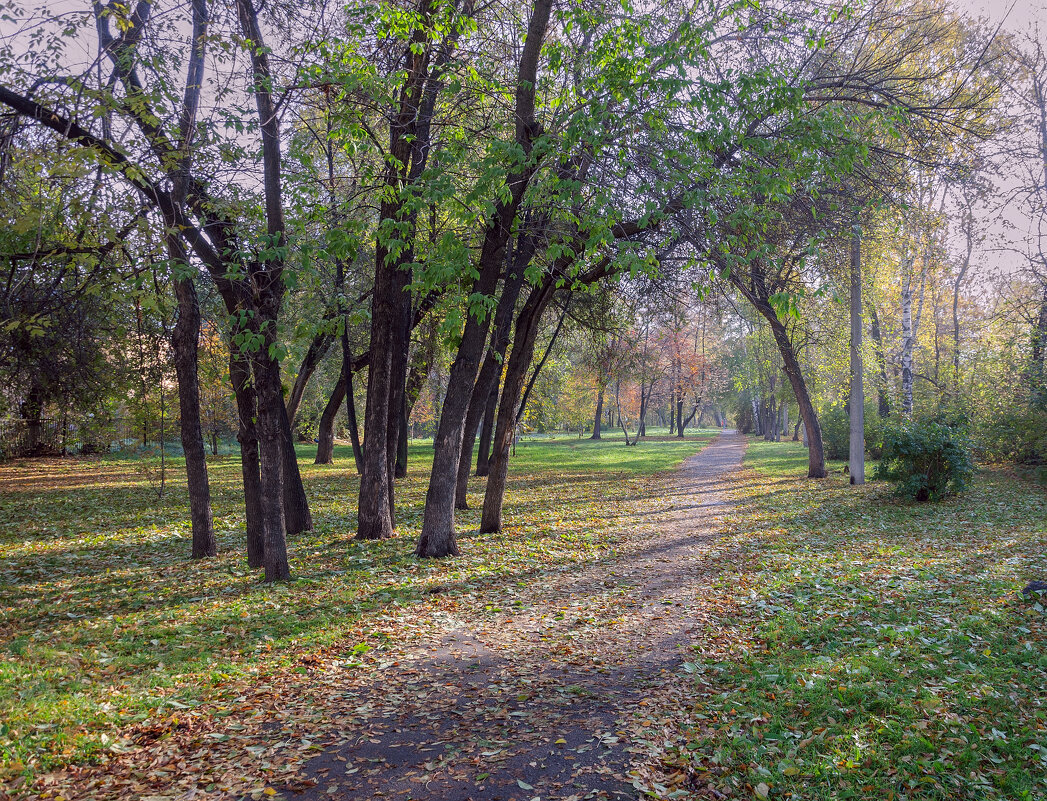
x,y
374,518
516,375
484,398
184,343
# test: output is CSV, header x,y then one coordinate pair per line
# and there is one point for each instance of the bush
x,y
1015,435
836,432
929,460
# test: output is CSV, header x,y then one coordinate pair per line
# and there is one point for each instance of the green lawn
x,y
104,622
880,648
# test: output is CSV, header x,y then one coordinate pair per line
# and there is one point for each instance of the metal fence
x,y
60,437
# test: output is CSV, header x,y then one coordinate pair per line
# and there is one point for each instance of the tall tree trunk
x,y
184,343
325,436
791,366
1038,362
541,363
483,449
250,462
910,329
516,373
350,403
857,397
313,356
883,403
483,404
374,511
297,517
598,418
271,416
816,450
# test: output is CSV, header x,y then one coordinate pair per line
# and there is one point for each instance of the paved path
x,y
532,703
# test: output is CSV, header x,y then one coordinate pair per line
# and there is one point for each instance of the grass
x,y
884,651
105,623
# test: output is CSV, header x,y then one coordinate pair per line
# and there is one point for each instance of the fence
x,y
59,437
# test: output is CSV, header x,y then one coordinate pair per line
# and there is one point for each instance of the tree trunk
x,y
272,414
350,403
1038,364
883,404
816,450
184,344
297,517
250,463
483,451
437,538
325,437
910,329
857,397
483,404
598,419
32,411
374,518
313,356
516,373
541,363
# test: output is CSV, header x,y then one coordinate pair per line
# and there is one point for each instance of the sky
x,y
1016,15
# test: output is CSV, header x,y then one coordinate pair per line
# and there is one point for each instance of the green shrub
x,y
874,425
836,432
929,460
1015,435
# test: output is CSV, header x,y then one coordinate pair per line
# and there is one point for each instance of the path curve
x,y
531,703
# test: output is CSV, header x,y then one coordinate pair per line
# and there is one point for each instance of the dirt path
x,y
531,701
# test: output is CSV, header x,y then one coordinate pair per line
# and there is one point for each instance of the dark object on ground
x,y
1034,586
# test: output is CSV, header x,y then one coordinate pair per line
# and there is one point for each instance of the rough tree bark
x,y
184,344
526,331
250,462
484,399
